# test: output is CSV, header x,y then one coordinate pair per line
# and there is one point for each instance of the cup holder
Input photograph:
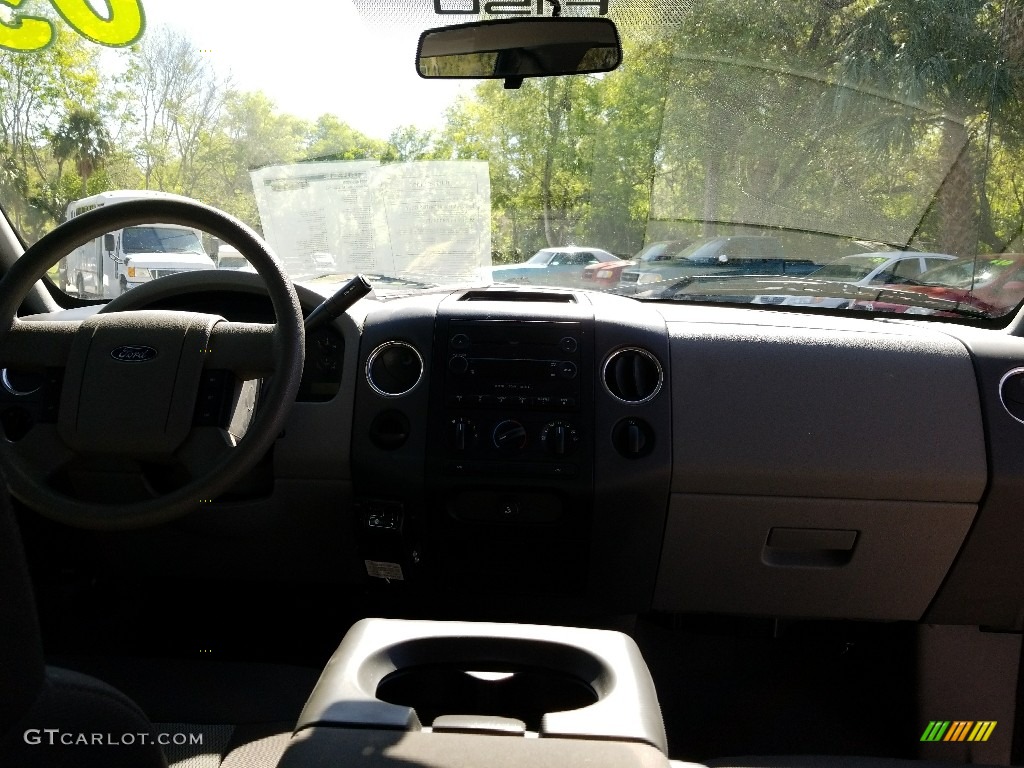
x,y
558,682
523,693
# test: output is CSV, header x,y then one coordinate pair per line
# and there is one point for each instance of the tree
x,y
37,91
956,56
249,133
84,139
332,139
408,143
170,100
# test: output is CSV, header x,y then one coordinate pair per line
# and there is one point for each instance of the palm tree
x,y
82,138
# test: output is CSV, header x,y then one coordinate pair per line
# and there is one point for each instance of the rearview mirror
x,y
516,48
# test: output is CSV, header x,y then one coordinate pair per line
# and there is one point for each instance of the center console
x,y
513,459
511,443
458,693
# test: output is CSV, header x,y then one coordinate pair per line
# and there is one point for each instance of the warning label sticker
x,y
381,570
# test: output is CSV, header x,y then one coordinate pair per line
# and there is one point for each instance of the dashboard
x,y
584,449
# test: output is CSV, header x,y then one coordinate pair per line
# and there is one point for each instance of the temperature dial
x,y
559,437
510,436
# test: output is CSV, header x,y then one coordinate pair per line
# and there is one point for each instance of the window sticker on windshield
x,y
515,7
26,33
381,570
1001,262
387,13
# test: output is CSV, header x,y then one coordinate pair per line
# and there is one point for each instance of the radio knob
x,y
509,436
559,438
458,364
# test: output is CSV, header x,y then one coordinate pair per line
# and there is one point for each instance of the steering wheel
x,y
131,381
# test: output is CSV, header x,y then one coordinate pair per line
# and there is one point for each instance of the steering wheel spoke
x,y
42,454
38,343
247,349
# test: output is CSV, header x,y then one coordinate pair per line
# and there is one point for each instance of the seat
x,y
209,715
50,716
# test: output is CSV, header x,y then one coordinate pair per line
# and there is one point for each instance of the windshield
x,y
769,144
161,240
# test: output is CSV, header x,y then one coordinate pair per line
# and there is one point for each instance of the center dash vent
x,y
551,297
632,375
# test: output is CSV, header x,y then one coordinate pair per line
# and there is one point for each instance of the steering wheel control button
x,y
394,369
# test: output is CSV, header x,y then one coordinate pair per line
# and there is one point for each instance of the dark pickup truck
x,y
715,257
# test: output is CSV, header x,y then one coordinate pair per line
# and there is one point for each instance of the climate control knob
x,y
509,436
462,434
558,438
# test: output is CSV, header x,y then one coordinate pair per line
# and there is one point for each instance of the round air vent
x,y
394,369
1011,393
632,375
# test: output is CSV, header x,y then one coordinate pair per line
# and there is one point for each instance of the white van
x,y
122,259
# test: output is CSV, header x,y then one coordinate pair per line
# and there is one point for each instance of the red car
x,y
606,274
993,284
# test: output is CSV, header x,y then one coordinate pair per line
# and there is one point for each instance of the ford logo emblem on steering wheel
x,y
133,354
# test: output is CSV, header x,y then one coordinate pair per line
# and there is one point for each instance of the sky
x,y
324,58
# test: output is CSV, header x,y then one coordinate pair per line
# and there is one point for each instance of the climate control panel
x,y
515,397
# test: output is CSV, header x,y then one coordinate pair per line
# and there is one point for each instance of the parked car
x,y
714,257
323,263
228,257
990,284
607,273
553,266
867,269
